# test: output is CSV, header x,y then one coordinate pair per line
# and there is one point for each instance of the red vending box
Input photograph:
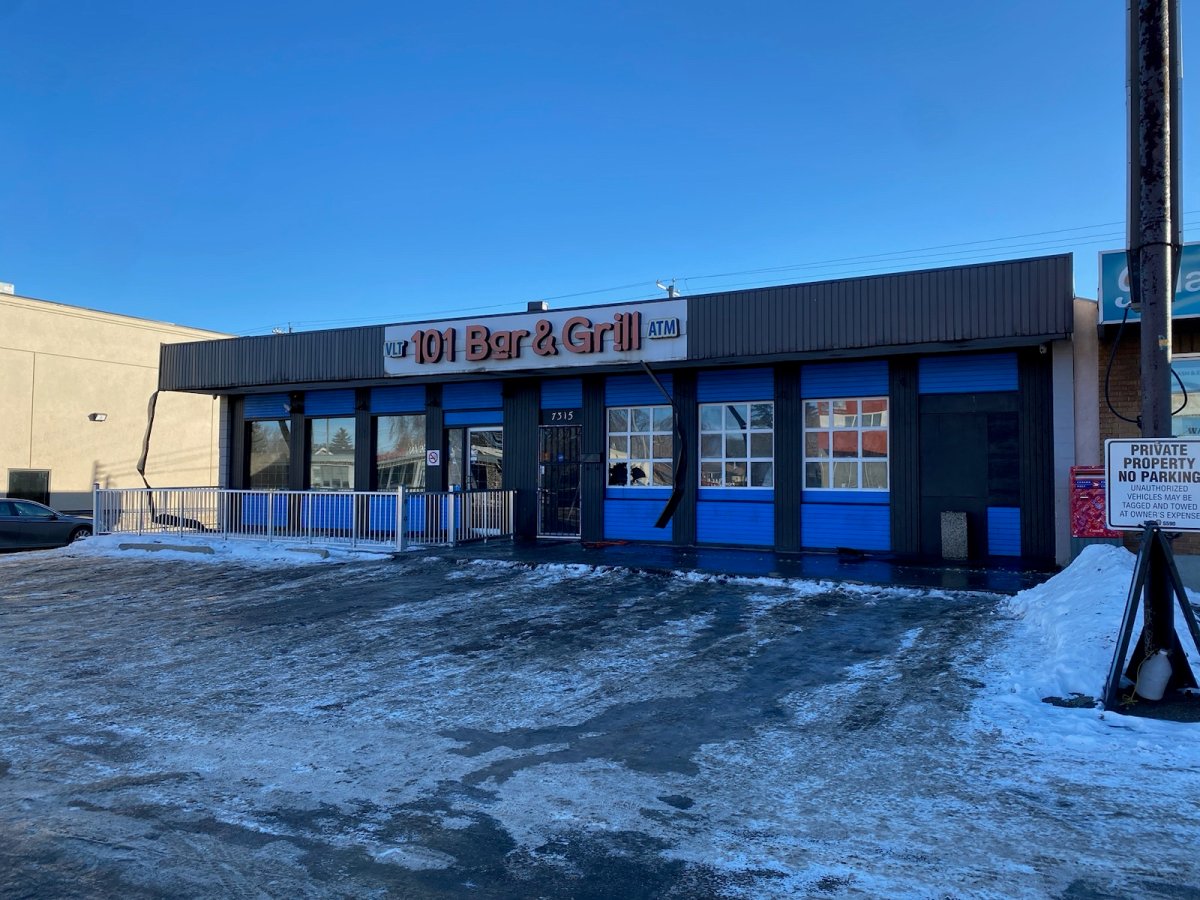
x,y
1087,503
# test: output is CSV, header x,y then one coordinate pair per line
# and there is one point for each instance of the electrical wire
x,y
867,264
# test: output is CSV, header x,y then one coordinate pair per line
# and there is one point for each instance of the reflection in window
x,y
640,446
485,449
400,452
331,454
846,444
1185,422
269,459
737,445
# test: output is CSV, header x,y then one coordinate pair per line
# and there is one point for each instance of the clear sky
x,y
239,166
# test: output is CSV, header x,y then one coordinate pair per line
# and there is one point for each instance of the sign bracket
x,y
1154,561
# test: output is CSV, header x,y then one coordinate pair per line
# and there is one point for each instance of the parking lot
x,y
432,727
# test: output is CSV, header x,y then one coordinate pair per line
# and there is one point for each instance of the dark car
x,y
25,525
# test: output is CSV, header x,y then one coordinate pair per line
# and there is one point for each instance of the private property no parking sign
x,y
1153,480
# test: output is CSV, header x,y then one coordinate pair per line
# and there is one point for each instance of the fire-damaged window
x,y
640,446
737,445
846,444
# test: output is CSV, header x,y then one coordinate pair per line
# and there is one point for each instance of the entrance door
x,y
558,481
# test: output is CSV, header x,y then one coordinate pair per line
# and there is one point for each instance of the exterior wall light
x,y
97,417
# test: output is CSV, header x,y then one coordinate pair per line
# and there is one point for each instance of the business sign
x,y
654,331
1114,286
1153,480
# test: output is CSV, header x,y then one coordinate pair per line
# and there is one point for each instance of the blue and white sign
x,y
1114,286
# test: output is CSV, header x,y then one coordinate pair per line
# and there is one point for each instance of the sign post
x,y
1153,486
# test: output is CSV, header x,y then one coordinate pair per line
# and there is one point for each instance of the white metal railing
x,y
394,519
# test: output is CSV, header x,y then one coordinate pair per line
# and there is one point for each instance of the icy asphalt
x,y
441,728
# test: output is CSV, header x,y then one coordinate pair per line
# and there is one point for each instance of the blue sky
x,y
243,166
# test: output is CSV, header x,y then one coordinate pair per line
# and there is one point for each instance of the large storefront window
x,y
846,444
331,454
1185,422
269,459
737,445
640,446
400,452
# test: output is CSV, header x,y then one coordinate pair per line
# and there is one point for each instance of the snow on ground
x,y
425,727
201,549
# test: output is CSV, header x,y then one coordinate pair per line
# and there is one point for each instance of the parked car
x,y
25,525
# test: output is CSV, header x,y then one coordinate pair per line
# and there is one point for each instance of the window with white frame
x,y
640,446
846,444
737,445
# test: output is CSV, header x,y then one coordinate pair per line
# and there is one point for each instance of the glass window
x,y
641,446
29,484
400,452
1185,422
737,445
846,444
485,448
269,459
331,454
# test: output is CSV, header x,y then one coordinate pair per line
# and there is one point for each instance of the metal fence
x,y
393,519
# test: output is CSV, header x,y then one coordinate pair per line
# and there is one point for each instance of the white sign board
x,y
1153,480
433,457
653,330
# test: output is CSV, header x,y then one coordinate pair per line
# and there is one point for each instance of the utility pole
x,y
1154,180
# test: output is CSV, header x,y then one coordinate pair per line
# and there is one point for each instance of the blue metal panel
x,y
254,511
633,520
735,384
659,494
864,378
562,393
1004,531
968,373
472,395
829,525
266,406
740,495
635,390
861,498
475,417
331,513
409,398
731,522
329,403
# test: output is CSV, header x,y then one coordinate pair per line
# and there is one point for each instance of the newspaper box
x,y
1087,503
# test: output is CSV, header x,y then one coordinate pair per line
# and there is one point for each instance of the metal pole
x,y
1153,237
96,517
400,517
1152,232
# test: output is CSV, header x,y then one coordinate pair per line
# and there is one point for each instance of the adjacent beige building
x,y
76,385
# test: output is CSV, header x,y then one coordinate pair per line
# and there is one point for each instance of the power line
x,y
882,260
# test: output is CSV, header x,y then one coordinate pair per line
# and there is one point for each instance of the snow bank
x,y
251,553
1068,627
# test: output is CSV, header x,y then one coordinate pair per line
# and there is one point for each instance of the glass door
x,y
558,481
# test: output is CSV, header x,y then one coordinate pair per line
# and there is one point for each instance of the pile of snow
x,y
1068,628
206,549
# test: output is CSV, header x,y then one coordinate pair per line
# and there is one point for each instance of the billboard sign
x,y
1114,286
654,331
